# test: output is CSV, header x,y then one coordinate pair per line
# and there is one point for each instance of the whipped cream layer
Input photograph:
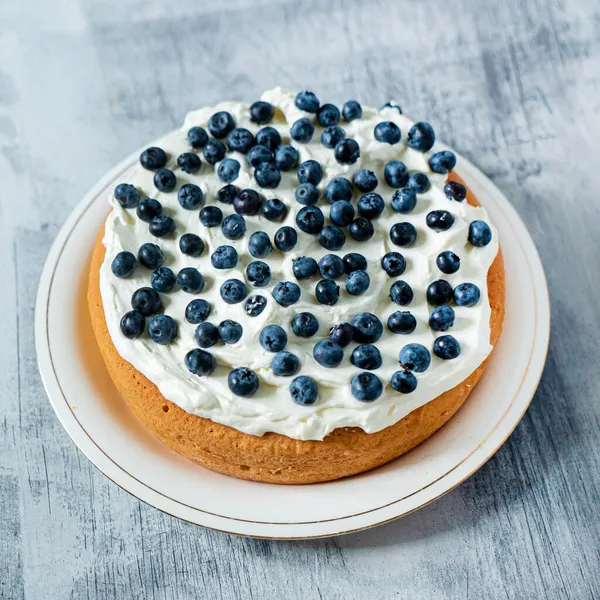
x,y
271,409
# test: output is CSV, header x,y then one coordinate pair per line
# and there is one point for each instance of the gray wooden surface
x,y
514,85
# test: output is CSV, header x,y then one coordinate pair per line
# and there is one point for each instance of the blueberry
x,y
285,364
404,382
161,226
367,328
361,229
391,105
393,263
148,208
387,132
220,124
357,283
153,158
286,238
304,390
190,280
395,174
370,205
442,162
304,267
165,180
446,347
273,338
327,292
366,356
332,136
439,292
267,175
259,155
197,137
233,291
307,194
415,357
254,305
310,171
199,362
261,112
404,200
480,234
365,180
189,162
224,257
233,227
286,293
243,382
123,265
214,151
211,216
228,170
339,188
401,322
190,196
132,324
151,256
331,237
259,245
403,234
442,318
354,261
341,213
286,157
127,195
227,193
342,334
302,130
347,152
162,279
230,332
352,110
401,293
466,294
162,329
366,387
331,266
455,191
197,311
328,115
191,245
447,262
307,101
305,324
247,202
439,220
258,273
206,335
310,219
421,137
274,210
268,137
328,354
240,140
419,182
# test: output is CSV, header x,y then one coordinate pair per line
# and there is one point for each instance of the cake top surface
x,y
288,266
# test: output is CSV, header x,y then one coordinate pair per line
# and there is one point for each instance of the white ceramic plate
x,y
104,429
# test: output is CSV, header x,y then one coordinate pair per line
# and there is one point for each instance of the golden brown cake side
x,y
275,458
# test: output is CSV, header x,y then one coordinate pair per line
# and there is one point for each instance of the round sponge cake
x,y
274,458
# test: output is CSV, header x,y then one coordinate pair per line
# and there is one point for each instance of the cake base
x,y
274,458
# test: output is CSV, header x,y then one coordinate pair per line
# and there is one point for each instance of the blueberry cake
x,y
291,292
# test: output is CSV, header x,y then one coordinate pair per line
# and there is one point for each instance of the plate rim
x,y
52,384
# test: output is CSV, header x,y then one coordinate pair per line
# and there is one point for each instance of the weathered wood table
x,y
513,85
